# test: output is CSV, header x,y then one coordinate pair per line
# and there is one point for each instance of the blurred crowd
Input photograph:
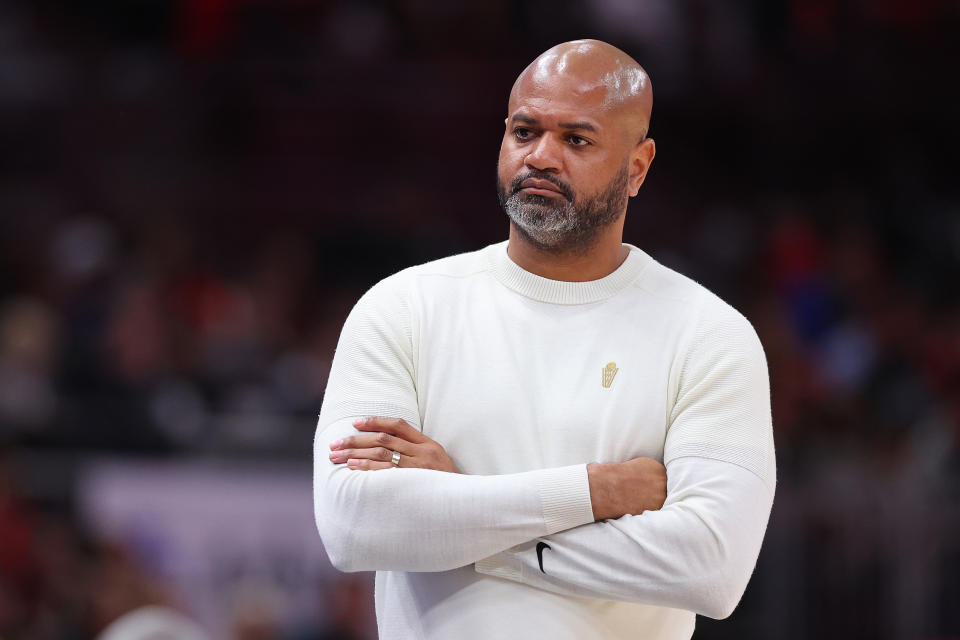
x,y
193,194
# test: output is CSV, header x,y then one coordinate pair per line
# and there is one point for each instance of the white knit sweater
x,y
524,381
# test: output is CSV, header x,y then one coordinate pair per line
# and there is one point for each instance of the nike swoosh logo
x,y
540,547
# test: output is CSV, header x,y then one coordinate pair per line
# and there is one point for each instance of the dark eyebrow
x,y
583,126
525,119
586,126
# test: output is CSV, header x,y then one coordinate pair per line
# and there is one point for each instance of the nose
x,y
545,154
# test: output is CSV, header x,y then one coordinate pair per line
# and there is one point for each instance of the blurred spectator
x,y
153,623
29,349
257,612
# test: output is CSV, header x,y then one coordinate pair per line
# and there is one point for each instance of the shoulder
x,y
396,291
403,283
706,316
461,265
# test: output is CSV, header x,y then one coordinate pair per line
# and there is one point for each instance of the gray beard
x,y
563,225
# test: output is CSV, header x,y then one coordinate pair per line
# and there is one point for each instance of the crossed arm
x,y
413,519
616,489
691,554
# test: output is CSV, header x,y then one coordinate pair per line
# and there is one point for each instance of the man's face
x,y
563,169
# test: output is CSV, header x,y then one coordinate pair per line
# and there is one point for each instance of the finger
x,y
371,440
362,464
393,426
376,454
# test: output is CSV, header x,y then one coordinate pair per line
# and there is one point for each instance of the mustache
x,y
564,188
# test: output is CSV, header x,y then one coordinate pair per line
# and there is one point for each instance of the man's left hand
x,y
374,450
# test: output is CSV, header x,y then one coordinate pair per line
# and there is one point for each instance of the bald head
x,y
575,146
595,71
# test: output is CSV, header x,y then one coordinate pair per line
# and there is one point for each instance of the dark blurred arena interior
x,y
193,194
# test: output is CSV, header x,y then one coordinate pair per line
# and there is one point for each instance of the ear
x,y
640,160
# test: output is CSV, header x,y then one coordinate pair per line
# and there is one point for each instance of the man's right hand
x,y
619,488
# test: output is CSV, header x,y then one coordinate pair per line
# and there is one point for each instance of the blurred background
x,y
194,193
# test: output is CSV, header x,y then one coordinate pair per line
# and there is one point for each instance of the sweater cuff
x,y
565,496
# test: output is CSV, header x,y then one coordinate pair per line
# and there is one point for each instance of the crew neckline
x,y
530,285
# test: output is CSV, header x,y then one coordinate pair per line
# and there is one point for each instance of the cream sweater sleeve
x,y
697,553
699,550
418,519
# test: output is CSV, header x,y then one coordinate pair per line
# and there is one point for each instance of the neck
x,y
592,263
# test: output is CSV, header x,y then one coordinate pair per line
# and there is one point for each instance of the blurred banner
x,y
233,540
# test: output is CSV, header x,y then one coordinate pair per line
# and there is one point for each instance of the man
x,y
523,397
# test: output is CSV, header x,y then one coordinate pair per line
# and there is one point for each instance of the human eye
x,y
522,134
577,141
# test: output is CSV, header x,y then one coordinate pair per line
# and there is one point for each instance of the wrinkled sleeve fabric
x,y
699,550
417,519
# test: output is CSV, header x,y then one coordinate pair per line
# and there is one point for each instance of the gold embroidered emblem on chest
x,y
609,372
